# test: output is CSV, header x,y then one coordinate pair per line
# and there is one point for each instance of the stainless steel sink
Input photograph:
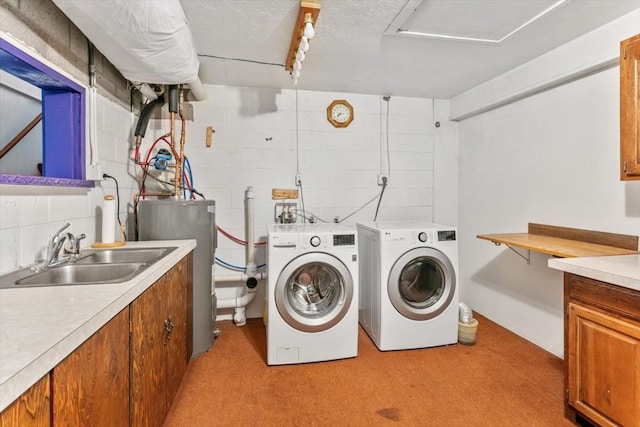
x,y
83,274
109,256
93,267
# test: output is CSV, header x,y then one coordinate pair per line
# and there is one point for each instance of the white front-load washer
x,y
312,293
408,288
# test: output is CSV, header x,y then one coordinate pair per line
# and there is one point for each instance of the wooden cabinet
x,y
602,348
32,409
630,108
90,387
159,353
178,350
127,373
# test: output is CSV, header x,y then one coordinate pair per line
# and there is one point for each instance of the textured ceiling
x,y
245,42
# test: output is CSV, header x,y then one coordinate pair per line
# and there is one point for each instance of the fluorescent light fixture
x,y
447,37
413,4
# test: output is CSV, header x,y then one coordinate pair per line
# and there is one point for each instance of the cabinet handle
x,y
168,328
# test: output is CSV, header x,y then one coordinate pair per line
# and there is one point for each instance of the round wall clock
x,y
340,113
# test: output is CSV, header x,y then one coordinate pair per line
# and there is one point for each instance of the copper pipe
x,y
20,135
172,118
183,133
176,189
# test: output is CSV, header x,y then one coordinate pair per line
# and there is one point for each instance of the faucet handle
x,y
73,244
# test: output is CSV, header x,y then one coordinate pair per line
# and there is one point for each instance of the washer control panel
x,y
446,235
327,240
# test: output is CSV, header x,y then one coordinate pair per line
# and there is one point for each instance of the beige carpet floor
x,y
503,380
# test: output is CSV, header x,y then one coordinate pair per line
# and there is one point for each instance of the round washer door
x,y
421,283
314,292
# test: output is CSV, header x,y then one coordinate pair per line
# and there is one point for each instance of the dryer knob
x,y
315,241
423,237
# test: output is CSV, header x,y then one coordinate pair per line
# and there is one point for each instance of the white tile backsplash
x,y
10,247
10,217
33,210
68,207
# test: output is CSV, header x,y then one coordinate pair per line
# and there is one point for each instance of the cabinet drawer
x,y
615,300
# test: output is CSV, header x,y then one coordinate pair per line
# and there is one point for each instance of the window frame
x,y
63,120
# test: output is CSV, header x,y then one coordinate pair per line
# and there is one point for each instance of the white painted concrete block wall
x,y
256,144
30,216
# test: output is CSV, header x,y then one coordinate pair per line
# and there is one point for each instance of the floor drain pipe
x,y
251,269
251,275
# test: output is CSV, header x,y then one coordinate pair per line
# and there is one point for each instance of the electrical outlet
x,y
381,177
298,179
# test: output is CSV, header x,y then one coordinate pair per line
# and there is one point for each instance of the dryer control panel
x,y
412,237
419,237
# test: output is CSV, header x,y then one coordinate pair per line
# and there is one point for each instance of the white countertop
x,y
40,326
621,270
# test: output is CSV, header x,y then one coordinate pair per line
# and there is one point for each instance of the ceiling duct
x,y
147,41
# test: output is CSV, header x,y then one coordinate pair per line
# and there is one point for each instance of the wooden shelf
x,y
567,242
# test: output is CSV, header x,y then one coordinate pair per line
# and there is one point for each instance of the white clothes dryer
x,y
408,289
312,293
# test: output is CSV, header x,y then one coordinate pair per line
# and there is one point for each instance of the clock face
x,y
340,113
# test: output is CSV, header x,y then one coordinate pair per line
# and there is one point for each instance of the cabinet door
x,y
630,109
32,409
603,359
90,387
177,357
159,353
148,356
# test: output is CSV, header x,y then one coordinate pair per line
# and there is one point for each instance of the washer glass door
x,y
421,283
314,292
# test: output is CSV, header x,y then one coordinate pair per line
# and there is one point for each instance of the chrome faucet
x,y
55,245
